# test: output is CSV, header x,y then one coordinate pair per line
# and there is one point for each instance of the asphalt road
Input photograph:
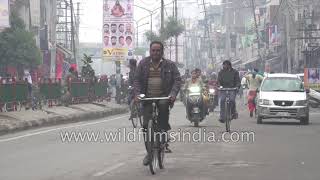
x,y
278,149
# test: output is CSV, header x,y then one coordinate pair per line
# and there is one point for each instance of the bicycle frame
x,y
228,106
154,147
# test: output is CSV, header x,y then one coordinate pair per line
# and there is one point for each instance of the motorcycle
x,y
213,98
194,105
182,95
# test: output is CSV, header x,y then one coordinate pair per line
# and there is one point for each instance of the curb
x,y
58,120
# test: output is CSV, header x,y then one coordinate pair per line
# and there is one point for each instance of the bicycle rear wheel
x,y
135,118
227,116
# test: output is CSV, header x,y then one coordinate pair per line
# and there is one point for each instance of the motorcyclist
x,y
213,83
195,81
254,80
186,76
184,79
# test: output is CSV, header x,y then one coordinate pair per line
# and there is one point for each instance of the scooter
x,y
194,105
213,98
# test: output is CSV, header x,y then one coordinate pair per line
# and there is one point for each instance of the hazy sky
x,y
91,15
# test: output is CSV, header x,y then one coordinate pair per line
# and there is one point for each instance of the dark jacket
x,y
131,77
170,75
229,78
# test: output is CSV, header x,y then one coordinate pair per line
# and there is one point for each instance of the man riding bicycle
x,y
157,77
228,78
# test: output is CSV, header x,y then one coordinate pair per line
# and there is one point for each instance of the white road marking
x,y
109,169
57,129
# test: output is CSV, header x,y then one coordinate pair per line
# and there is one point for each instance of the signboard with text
x,y
312,78
118,35
4,14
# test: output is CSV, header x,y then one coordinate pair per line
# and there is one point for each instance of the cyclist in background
x,y
228,78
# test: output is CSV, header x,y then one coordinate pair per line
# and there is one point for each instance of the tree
x,y
87,70
172,28
17,46
152,36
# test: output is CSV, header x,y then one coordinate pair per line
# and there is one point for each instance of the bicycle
x,y
136,114
155,148
227,106
135,111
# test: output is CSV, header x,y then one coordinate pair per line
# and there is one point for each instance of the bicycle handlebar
x,y
228,89
154,98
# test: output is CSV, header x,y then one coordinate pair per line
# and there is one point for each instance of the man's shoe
x,y
235,116
221,120
167,150
146,160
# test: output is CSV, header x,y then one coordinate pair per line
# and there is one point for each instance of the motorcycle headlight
x,y
302,103
194,89
211,91
264,102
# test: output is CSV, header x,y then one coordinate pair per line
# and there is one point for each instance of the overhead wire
x,y
277,13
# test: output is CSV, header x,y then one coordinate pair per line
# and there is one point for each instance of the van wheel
x,y
196,124
259,120
304,121
313,105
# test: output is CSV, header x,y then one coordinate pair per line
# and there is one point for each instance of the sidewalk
x,y
18,121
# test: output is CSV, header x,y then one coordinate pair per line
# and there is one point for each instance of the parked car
x,y
283,96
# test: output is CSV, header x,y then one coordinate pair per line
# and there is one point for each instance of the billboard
x,y
312,78
4,14
118,30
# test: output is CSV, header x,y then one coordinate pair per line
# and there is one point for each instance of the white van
x,y
283,96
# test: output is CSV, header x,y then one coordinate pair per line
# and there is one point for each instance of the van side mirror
x,y
307,91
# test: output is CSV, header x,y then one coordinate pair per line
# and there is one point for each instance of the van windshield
x,y
282,84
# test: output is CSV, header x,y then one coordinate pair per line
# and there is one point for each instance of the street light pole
x,y
150,12
137,27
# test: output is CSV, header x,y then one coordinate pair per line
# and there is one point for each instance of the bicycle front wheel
x,y
227,116
135,117
152,151
161,152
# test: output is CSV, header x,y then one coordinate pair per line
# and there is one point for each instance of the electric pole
x,y
176,38
162,16
208,30
73,33
288,38
228,45
257,32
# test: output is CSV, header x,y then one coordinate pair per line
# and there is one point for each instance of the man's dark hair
x,y
227,62
129,37
157,42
